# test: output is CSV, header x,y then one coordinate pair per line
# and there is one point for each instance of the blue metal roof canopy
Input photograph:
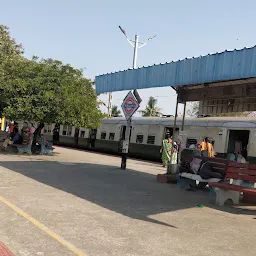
x,y
225,66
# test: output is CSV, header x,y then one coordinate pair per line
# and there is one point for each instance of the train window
x,y
82,135
139,138
190,142
111,136
151,139
103,135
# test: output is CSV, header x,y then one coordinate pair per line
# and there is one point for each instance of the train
x,y
147,134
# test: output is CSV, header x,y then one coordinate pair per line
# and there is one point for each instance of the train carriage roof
x,y
205,121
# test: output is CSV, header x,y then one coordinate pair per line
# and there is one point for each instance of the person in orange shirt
x,y
207,148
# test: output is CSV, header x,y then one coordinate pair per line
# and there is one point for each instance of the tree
x,y
10,52
151,108
45,91
48,91
115,112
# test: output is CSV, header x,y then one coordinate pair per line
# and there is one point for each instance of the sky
x,y
85,33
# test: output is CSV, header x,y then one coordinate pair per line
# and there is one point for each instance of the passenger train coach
x,y
146,135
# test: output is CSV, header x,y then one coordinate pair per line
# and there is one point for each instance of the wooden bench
x,y
190,180
233,185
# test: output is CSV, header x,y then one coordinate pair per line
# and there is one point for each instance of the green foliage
x,y
46,90
9,49
115,112
151,108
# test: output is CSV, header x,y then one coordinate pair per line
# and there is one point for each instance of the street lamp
x,y
136,44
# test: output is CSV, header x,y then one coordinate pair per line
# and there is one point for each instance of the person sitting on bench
x,y
207,172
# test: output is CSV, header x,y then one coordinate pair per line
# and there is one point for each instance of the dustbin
x,y
172,168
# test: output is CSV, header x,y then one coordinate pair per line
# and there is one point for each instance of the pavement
x,y
81,203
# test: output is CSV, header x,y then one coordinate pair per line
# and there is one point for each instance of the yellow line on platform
x,y
41,226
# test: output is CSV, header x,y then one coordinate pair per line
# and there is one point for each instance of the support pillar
x,y
176,114
3,123
183,118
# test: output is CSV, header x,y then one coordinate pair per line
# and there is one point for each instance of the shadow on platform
x,y
128,192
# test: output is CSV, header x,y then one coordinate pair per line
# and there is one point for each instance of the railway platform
x,y
82,203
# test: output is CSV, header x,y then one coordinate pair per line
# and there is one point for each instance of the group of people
x,y
206,147
171,148
16,137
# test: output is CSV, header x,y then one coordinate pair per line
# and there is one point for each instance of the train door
x,y
76,136
239,138
56,134
92,138
168,131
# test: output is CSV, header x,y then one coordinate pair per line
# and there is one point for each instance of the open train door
x,y
92,138
238,138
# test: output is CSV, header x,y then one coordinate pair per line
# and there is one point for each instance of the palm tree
x,y
151,108
115,112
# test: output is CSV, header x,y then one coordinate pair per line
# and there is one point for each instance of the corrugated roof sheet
x,y
228,65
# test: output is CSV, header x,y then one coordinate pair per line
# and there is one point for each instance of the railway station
x,y
79,202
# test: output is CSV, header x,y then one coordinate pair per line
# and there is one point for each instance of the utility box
x,y
125,146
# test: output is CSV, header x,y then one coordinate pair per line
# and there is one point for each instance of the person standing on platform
x,y
238,147
207,148
166,150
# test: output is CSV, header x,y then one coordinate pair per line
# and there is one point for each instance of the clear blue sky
x,y
85,33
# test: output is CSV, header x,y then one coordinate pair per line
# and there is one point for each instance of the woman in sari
x,y
166,150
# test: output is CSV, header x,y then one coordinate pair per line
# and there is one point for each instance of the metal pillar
x,y
183,117
127,138
136,45
135,52
128,125
110,104
176,114
3,123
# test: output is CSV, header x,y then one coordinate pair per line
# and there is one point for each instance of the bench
x,y
232,186
26,148
20,148
188,179
3,136
46,150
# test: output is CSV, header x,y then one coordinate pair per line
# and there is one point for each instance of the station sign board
x,y
129,105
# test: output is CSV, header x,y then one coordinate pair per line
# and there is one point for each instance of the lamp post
x,y
136,44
